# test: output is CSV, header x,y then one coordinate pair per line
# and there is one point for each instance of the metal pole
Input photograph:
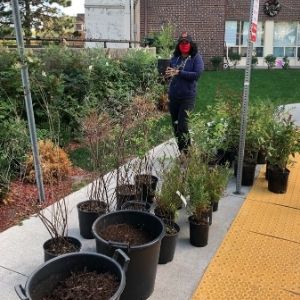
x,y
131,21
28,100
244,110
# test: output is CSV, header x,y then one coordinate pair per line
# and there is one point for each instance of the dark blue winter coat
x,y
184,85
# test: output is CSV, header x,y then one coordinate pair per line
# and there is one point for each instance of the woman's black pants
x,y
178,110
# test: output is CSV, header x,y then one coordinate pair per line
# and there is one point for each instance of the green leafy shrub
x,y
286,63
14,144
216,62
284,140
164,40
235,58
4,185
270,60
140,67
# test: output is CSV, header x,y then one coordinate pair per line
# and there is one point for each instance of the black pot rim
x,y
273,168
136,247
86,201
72,239
175,226
147,205
191,221
62,257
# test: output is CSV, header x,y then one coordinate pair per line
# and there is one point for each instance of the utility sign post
x,y
254,20
28,101
244,111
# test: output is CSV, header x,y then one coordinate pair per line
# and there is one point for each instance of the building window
x,y
236,38
285,39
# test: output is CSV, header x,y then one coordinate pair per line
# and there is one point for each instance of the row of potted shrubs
x,y
202,175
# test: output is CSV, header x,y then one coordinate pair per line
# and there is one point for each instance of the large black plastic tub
x,y
42,282
141,273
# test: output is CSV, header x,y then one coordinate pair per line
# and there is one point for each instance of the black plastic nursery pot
x,y
198,232
218,158
267,170
146,185
162,64
124,193
87,216
227,156
261,157
168,243
50,255
210,215
278,180
44,280
215,205
141,273
248,173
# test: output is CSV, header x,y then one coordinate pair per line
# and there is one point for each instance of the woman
x,y
185,68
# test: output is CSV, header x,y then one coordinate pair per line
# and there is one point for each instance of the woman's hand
x,y
171,72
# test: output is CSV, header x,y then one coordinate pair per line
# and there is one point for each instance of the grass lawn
x,y
280,86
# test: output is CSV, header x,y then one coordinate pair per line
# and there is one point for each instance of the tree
x,y
35,14
57,27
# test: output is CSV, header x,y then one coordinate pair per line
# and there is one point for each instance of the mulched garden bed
x,y
22,200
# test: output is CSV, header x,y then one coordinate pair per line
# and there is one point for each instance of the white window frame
x,y
239,35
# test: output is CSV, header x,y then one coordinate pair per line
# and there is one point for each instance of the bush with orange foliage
x,y
54,162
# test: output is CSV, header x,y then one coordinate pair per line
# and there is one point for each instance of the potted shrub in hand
x,y
165,44
199,202
284,142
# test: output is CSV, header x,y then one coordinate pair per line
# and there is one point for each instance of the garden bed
x,y
22,200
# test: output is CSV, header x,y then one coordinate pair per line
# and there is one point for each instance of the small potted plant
x,y
199,202
97,204
167,204
208,130
55,220
218,177
55,165
284,143
165,45
97,132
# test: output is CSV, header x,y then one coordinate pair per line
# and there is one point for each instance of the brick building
x,y
217,23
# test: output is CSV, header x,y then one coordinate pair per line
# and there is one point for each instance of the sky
x,y
77,7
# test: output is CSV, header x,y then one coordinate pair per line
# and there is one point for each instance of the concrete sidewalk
x,y
21,246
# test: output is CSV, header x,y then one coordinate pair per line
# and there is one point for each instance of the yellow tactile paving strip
x,y
260,256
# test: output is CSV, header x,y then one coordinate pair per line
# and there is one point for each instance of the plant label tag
x,y
182,198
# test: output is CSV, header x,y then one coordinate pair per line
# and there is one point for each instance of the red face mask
x,y
185,48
